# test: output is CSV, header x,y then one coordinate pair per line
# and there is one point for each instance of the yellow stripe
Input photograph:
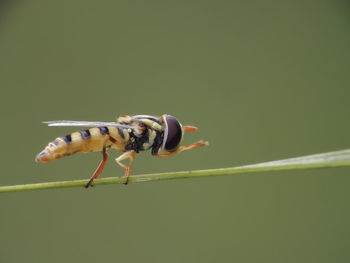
x,y
94,131
76,137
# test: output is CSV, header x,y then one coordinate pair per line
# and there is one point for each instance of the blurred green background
x,y
263,80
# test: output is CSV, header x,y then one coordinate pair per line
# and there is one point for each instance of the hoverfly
x,y
130,135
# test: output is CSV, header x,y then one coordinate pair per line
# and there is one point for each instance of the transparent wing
x,y
83,123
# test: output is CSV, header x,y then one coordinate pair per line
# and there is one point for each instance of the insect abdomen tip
x,y
42,157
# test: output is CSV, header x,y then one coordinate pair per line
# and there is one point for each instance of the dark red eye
x,y
174,133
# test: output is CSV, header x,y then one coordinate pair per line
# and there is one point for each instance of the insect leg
x,y
183,148
99,168
131,155
190,128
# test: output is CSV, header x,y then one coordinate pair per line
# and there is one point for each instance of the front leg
x,y
131,155
183,148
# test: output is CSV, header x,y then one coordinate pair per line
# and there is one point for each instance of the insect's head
x,y
173,133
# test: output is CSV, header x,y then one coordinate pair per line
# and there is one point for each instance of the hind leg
x,y
131,155
99,167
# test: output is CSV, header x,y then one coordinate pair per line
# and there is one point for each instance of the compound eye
x,y
174,134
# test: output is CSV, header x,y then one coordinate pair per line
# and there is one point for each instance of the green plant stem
x,y
323,160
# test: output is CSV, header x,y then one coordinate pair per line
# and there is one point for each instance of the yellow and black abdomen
x,y
90,140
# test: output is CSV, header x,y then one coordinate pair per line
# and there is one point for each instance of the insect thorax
x,y
144,138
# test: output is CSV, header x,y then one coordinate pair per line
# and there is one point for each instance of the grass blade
x,y
316,161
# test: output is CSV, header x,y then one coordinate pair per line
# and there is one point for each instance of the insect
x,y
130,135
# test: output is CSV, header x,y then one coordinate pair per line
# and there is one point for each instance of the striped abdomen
x,y
90,140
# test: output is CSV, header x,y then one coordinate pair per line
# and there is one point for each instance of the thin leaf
x,y
323,160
